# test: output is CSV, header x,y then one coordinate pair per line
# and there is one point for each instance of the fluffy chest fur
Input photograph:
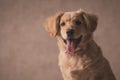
x,y
73,62
73,67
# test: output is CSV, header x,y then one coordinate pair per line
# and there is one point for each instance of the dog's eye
x,y
62,24
77,22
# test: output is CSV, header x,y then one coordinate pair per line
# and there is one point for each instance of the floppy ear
x,y
91,21
52,24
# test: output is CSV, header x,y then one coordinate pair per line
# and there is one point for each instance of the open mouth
x,y
71,44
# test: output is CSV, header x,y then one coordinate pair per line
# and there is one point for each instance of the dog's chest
x,y
72,66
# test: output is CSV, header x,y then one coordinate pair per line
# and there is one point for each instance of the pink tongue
x,y
70,47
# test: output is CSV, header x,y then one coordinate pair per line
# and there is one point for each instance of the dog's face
x,y
74,28
72,25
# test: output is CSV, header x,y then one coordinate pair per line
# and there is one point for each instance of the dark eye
x,y
62,24
77,22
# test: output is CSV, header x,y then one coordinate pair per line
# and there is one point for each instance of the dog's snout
x,y
70,32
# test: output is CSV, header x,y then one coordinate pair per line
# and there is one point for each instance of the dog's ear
x,y
90,20
52,24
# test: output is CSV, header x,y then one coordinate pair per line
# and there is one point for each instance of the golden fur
x,y
87,61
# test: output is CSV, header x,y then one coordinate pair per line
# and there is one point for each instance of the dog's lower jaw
x,y
78,51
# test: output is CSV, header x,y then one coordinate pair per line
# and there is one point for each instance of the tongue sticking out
x,y
70,47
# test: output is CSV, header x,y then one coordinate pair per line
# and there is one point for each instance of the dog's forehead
x,y
72,14
69,15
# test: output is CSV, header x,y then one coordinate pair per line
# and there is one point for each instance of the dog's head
x,y
75,28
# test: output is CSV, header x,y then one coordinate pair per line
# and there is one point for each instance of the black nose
x,y
70,32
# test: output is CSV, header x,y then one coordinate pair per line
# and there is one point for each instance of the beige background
x,y
26,50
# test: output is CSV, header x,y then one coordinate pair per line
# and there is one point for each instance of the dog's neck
x,y
79,50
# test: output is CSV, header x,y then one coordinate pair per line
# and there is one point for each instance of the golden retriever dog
x,y
80,57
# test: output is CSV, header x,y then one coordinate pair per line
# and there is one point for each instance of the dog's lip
x,y
77,41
